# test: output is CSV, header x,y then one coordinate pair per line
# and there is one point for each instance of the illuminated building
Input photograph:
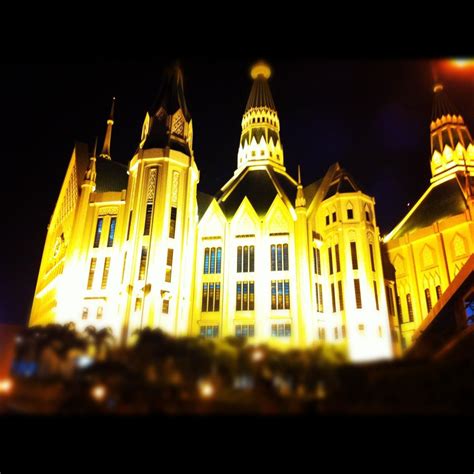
x,y
436,238
267,258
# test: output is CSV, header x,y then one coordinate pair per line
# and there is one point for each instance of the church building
x,y
266,257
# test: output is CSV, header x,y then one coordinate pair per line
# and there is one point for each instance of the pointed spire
x,y
108,134
260,139
447,124
300,199
91,173
169,122
260,95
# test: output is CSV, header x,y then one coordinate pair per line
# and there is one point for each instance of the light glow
x,y
206,389
98,392
6,386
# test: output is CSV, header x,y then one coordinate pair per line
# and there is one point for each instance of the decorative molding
x,y
175,187
106,211
152,176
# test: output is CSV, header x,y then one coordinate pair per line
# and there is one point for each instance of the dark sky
x,y
371,116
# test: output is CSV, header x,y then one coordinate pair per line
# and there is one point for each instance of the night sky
x,y
370,116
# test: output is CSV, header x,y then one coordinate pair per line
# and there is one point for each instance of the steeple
x,y
451,143
260,139
169,123
108,134
91,172
300,199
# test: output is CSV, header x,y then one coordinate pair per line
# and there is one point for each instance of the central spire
x,y
260,139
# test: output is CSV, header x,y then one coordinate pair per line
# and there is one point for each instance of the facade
x,y
265,257
435,239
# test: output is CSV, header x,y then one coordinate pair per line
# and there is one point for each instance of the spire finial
x,y
261,68
108,134
111,117
94,153
299,175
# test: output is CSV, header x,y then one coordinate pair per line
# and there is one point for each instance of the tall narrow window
x,y
389,295
273,257
138,304
105,273
331,271
100,312
110,240
123,268
165,306
246,259
204,297
376,294
239,259
333,297
212,268
279,258
217,297
169,265
280,295
367,215
90,280
285,257
251,296
287,294
399,308
274,298
245,299
173,222
149,210
85,312
218,259
252,259
327,219
438,292
334,217
143,258
317,296
238,303
206,260
372,261
410,308
321,297
429,306
341,296
357,293
98,232
338,261
350,214
210,306
354,256
318,259
129,224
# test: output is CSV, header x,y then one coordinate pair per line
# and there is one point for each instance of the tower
x,y
161,212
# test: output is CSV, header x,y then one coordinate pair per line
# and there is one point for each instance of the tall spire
x,y
91,172
169,123
108,134
260,139
450,137
300,199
